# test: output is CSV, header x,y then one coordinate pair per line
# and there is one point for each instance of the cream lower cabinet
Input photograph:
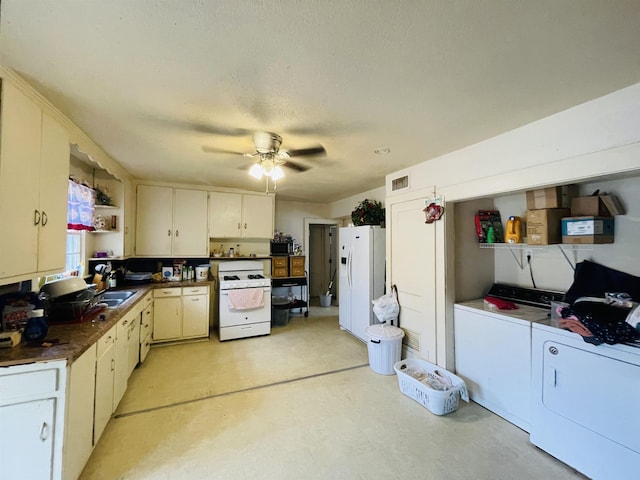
x,y
171,221
167,314
105,368
32,405
34,171
180,313
235,215
78,433
122,369
195,312
146,326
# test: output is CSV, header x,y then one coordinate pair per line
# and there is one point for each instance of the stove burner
x,y
256,276
231,277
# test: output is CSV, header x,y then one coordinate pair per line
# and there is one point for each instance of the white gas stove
x,y
244,299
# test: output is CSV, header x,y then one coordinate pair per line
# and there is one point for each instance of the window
x,y
75,251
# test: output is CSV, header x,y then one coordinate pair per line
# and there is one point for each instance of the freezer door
x,y
361,282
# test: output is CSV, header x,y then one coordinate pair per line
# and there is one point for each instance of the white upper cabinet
x,y
171,221
129,217
34,169
234,215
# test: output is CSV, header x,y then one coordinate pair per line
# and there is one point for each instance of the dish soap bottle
x,y
113,281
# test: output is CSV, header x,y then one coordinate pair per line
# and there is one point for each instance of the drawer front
x,y
297,262
201,290
242,331
167,292
145,346
280,272
26,384
146,322
147,300
297,271
279,261
107,340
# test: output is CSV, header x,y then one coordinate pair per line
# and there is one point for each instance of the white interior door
x,y
413,271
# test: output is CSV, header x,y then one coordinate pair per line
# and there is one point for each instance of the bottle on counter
x,y
113,280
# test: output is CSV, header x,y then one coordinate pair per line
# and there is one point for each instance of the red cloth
x,y
574,325
501,304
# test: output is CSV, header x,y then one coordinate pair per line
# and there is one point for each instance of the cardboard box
x,y
586,230
544,226
596,206
552,197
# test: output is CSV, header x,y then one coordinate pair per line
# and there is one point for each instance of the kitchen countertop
x,y
74,339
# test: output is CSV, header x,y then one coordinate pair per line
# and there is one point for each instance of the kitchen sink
x,y
117,295
111,302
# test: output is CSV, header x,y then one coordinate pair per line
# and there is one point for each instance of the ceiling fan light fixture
x,y
277,173
256,171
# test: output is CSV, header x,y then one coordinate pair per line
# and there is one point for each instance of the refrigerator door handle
x,y
349,260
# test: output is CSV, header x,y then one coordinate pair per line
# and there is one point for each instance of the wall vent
x,y
400,183
411,339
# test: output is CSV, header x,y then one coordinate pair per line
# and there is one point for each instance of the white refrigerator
x,y
361,277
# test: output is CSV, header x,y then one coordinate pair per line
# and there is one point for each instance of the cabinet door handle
x,y
44,218
245,226
238,225
36,217
44,431
177,233
169,232
113,364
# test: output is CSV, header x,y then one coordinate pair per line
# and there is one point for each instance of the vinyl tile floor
x,y
301,403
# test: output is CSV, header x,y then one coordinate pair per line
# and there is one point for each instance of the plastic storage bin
x,y
279,311
436,401
385,347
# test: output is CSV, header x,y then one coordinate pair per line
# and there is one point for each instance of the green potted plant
x,y
368,212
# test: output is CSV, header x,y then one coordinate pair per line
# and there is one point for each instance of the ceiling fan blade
x,y
298,167
208,149
305,152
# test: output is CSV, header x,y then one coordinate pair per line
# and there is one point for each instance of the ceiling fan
x,y
269,159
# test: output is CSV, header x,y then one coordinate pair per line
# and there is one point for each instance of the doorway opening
x,y
322,262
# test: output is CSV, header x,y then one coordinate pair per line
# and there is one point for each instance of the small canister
x,y
36,328
231,252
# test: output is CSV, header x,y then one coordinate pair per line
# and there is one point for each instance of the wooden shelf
x,y
108,207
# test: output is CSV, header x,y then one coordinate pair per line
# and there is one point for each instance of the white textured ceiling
x,y
153,81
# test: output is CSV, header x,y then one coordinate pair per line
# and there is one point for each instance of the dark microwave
x,y
281,248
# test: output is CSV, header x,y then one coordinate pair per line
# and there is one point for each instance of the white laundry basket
x,y
385,348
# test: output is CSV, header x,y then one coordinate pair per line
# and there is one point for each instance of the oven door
x,y
232,318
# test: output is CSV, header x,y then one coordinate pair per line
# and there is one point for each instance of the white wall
x,y
343,208
290,217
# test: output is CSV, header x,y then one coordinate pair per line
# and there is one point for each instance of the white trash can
x,y
325,300
385,348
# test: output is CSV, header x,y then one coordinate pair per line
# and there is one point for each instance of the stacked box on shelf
x,y
296,266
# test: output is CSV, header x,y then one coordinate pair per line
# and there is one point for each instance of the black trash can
x,y
279,311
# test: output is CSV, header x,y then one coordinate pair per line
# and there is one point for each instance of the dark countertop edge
x,y
80,336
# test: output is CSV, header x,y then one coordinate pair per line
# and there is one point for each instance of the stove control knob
x,y
553,350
